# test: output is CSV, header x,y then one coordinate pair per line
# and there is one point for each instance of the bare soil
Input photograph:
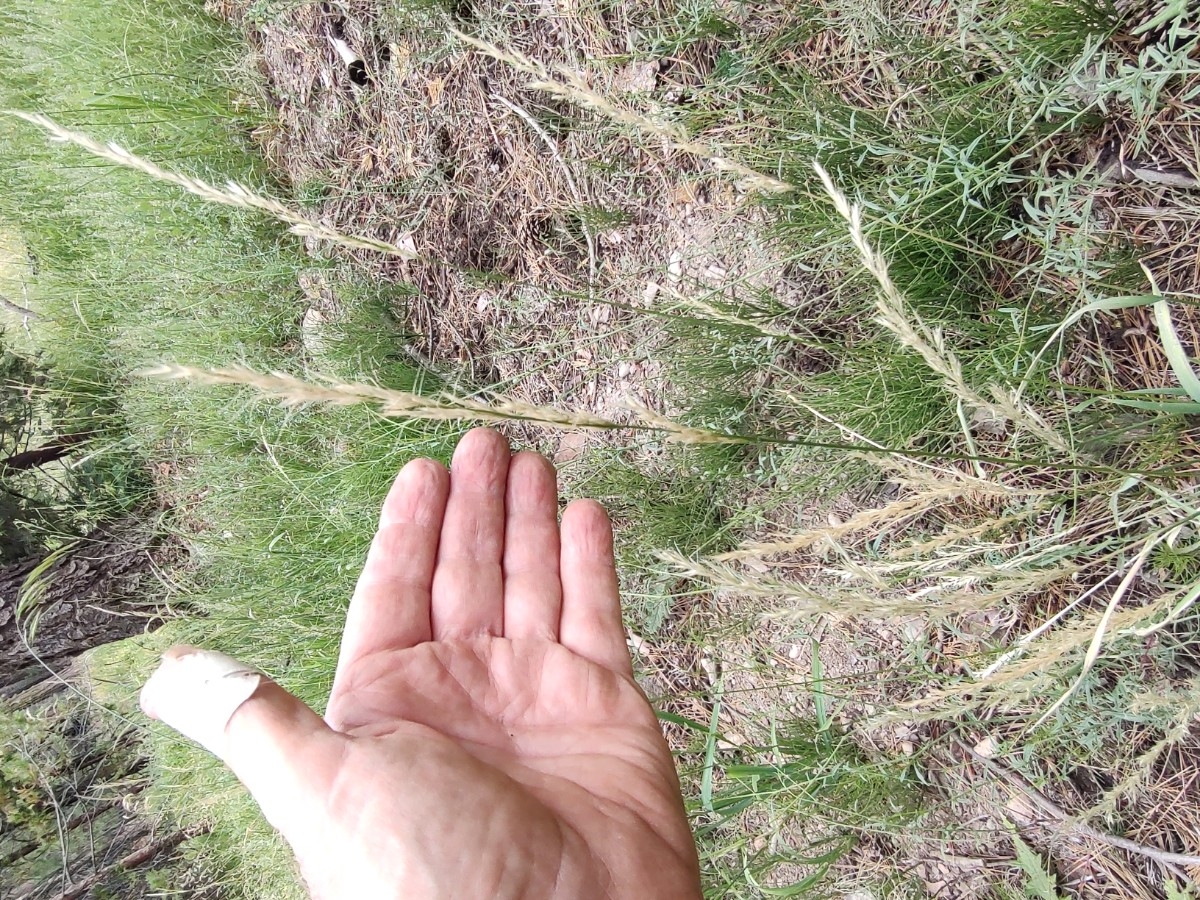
x,y
537,238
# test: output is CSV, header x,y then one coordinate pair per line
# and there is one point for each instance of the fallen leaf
x,y
986,748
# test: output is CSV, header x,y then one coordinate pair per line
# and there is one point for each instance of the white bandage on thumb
x,y
197,692
280,749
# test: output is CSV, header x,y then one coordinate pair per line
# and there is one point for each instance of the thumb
x,y
281,750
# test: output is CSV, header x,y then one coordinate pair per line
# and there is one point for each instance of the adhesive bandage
x,y
197,692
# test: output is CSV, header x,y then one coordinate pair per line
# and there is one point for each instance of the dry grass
x,y
434,146
571,86
231,194
292,391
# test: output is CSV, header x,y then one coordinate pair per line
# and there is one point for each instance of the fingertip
x,y
480,444
587,525
422,468
149,697
532,483
532,460
418,495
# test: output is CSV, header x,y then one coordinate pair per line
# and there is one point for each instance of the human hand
x,y
484,737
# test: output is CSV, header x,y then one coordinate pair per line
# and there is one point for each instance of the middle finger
x,y
468,585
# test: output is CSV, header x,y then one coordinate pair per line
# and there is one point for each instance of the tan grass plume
x,y
292,391
897,317
571,87
231,194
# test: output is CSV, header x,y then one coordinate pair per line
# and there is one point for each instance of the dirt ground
x,y
548,250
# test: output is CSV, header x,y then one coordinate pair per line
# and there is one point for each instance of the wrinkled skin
x,y
484,737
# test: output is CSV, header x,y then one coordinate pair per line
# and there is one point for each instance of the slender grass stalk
x,y
298,392
292,391
232,194
570,86
1185,707
711,312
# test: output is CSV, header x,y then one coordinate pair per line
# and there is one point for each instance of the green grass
x,y
805,805
276,508
958,149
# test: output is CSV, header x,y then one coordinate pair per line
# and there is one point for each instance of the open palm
x,y
484,736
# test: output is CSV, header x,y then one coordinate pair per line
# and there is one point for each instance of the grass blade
x,y
1175,408
820,700
1105,304
710,752
1171,11
1181,365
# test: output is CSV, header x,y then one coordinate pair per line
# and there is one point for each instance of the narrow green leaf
x,y
1104,304
1172,10
1176,355
806,884
1114,502
820,701
1186,603
1174,408
710,753
1146,398
675,719
33,589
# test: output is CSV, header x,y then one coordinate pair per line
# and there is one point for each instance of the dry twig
x,y
1072,825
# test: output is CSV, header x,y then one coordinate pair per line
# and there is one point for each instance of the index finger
x,y
390,606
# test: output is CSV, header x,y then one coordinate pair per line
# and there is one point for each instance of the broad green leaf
x,y
1040,882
